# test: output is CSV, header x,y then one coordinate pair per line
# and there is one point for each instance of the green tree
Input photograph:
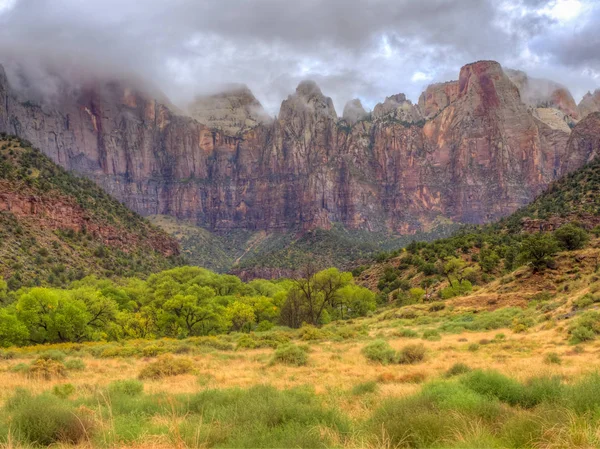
x,y
241,316
12,331
538,250
571,237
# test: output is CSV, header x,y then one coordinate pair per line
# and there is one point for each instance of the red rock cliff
x,y
480,155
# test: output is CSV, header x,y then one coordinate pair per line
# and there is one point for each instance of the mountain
x,y
470,151
57,227
489,253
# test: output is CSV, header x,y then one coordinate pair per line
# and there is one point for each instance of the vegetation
x,y
178,303
48,248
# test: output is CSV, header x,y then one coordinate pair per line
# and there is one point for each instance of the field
x,y
494,384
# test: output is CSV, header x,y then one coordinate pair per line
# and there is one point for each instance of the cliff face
x,y
470,151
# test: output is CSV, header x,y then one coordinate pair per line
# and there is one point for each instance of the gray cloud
x,y
353,48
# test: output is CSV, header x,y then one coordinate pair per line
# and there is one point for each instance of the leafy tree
x,y
241,316
571,237
538,250
12,331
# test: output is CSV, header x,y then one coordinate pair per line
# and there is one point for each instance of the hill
x,y
56,227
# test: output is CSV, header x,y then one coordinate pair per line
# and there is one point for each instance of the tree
x,y
353,301
538,250
571,237
12,331
453,269
240,315
314,295
193,312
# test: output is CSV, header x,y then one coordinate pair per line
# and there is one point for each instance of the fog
x,y
366,49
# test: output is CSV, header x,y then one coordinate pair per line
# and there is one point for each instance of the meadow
x,y
428,375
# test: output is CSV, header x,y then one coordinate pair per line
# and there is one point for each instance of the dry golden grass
x,y
333,366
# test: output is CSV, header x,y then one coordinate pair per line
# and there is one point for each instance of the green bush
x,y
44,420
457,369
53,354
260,417
291,354
63,391
166,365
75,365
494,384
552,358
431,335
127,387
571,237
380,351
364,388
411,354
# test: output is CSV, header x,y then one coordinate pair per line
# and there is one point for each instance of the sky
x,y
366,49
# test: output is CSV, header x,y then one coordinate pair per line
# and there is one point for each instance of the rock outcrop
x,y
233,111
590,103
397,107
437,97
480,155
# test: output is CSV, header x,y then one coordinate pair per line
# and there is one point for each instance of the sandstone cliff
x,y
481,154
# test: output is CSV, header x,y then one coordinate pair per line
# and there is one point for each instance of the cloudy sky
x,y
353,48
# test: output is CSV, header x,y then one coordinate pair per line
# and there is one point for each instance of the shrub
x,y
263,416
152,350
47,369
53,354
437,306
411,354
552,358
431,335
364,388
127,387
406,333
291,354
571,237
379,351
457,369
166,365
494,384
45,420
75,365
473,347
63,391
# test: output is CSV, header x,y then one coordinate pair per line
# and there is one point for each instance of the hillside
x,y
56,227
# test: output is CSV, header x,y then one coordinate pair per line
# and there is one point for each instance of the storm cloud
x,y
368,49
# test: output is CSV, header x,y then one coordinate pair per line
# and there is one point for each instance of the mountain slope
x,y
56,227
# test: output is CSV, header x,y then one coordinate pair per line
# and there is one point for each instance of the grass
x,y
165,366
354,385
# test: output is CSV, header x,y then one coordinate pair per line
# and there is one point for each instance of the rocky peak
x,y
437,97
590,103
307,100
233,111
543,93
397,107
354,111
